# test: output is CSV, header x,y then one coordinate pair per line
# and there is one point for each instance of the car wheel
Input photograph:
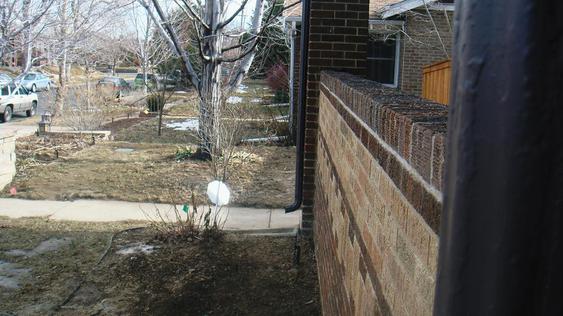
x,y
7,115
31,112
34,88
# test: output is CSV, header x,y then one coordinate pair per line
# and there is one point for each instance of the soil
x,y
118,125
233,275
262,176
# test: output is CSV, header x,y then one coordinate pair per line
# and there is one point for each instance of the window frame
x,y
395,83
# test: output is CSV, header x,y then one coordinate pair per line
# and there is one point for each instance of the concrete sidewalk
x,y
113,211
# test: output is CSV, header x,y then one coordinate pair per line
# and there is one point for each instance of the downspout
x,y
293,31
300,146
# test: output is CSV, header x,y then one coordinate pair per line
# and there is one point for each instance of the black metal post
x,y
501,241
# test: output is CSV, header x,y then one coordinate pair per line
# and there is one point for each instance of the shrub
x,y
281,96
155,102
278,78
184,153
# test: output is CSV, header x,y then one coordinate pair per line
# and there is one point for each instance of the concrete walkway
x,y
112,211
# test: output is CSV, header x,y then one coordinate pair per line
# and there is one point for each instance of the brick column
x,y
338,41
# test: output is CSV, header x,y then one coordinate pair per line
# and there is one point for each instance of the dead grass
x,y
146,132
261,177
239,275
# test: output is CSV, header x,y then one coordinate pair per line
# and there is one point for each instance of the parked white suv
x,y
15,99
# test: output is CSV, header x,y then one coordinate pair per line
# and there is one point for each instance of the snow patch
x,y
234,99
135,248
187,125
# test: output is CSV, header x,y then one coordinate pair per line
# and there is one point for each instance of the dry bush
x,y
86,110
186,223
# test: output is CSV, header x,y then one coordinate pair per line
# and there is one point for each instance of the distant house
x,y
405,36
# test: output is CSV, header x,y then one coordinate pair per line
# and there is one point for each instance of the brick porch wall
x,y
377,203
7,158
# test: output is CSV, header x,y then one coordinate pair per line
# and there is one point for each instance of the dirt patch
x,y
262,176
237,275
119,125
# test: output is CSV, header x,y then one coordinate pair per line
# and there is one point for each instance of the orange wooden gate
x,y
436,81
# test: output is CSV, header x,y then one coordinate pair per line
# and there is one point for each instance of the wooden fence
x,y
436,81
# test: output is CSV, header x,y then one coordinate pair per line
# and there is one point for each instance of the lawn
x,y
233,275
142,167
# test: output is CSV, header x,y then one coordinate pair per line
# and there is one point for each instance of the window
x,y
23,91
29,77
4,91
383,59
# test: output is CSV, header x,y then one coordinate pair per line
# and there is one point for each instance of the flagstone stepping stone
x,y
49,245
11,275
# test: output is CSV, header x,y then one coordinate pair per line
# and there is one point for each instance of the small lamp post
x,y
45,123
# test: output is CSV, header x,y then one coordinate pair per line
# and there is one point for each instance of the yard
x,y
51,267
137,165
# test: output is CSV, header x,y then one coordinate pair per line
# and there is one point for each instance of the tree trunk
x,y
211,96
211,108
145,77
27,38
61,91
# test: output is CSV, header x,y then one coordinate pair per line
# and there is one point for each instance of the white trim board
x,y
406,5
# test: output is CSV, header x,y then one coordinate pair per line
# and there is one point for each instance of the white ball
x,y
218,193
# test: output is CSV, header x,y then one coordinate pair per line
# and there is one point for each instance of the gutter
x,y
300,146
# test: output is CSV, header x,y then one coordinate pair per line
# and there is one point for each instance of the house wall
x,y
7,158
377,203
423,46
338,40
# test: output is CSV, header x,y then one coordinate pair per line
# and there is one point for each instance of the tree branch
x,y
269,22
171,36
191,12
248,56
229,20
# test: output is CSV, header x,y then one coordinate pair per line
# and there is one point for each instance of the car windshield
x,y
149,76
29,77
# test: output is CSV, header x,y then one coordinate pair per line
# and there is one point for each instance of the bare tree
x,y
146,44
18,21
76,22
212,21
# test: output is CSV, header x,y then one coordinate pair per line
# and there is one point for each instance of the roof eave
x,y
406,5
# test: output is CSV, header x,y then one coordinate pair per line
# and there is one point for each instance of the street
x,y
26,126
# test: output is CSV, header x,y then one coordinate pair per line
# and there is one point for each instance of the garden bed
x,y
233,275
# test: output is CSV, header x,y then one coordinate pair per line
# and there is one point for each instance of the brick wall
x,y
7,158
422,46
338,40
377,202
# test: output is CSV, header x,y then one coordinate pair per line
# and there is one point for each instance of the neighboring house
x,y
405,36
